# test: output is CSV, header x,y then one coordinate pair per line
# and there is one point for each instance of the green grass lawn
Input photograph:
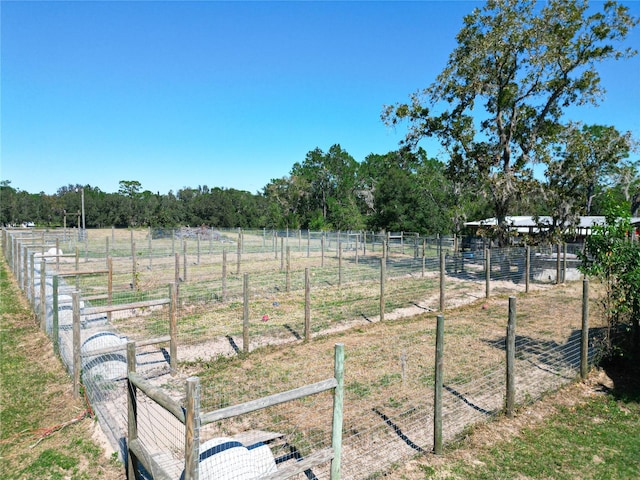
x,y
44,433
596,436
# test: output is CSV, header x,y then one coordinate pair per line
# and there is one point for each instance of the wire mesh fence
x,y
234,292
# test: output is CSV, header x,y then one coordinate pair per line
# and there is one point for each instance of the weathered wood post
x,y
25,273
487,272
584,337
558,264
338,405
192,430
357,246
224,274
177,268
109,286
527,268
77,267
184,261
443,277
55,330
511,358
134,269
339,264
239,253
32,280
424,258
77,365
564,262
43,294
288,271
150,245
173,329
383,277
438,386
132,411
282,254
245,313
322,250
198,250
57,254
307,305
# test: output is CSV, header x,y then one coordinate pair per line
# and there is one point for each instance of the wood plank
x,y
119,348
251,437
269,401
79,273
158,395
125,306
317,458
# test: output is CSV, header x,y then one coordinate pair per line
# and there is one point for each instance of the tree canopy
x,y
498,105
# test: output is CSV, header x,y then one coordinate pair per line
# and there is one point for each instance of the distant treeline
x,y
398,191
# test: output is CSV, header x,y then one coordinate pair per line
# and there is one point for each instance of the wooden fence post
x,y
584,337
511,358
307,305
134,269
288,271
224,274
77,365
32,280
132,411
338,403
245,313
322,250
109,286
198,250
564,262
192,430
558,264
55,330
184,261
173,329
487,272
239,254
383,276
282,253
442,281
438,386
527,268
339,264
43,295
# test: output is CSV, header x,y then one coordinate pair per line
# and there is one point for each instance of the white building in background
x,y
527,225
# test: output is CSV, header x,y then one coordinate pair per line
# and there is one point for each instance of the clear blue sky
x,y
225,94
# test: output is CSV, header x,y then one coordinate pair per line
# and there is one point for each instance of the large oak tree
x,y
499,103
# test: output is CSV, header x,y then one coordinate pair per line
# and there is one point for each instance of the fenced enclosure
x,y
257,313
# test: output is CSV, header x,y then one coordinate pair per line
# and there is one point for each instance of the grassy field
x,y
45,433
587,430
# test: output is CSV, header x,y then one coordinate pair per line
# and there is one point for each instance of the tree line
x,y
403,190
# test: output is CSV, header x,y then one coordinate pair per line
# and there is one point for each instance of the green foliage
x,y
498,105
611,255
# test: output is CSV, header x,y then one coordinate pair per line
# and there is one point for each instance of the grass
x,y
37,403
593,432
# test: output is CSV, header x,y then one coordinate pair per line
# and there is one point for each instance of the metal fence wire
x,y
254,313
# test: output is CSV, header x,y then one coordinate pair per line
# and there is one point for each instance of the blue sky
x,y
224,94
